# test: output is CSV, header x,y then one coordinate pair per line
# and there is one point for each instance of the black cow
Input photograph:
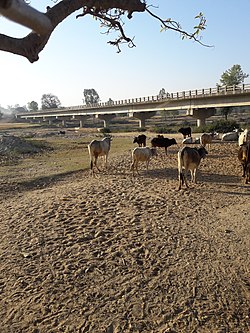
x,y
160,141
185,131
141,140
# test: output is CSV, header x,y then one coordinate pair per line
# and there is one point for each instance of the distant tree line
x,y
234,76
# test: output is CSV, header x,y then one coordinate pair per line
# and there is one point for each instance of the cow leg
x,y
136,167
194,176
247,173
95,163
181,180
133,168
185,178
106,161
91,164
244,170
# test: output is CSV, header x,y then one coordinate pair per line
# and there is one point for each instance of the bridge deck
x,y
200,98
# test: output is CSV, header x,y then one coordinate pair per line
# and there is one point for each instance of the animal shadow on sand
x,y
39,183
166,173
218,178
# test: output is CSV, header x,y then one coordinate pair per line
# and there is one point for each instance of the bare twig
x,y
111,22
170,24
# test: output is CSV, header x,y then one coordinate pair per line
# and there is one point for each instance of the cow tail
x,y
180,173
180,155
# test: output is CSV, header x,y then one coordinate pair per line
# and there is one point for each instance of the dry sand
x,y
117,254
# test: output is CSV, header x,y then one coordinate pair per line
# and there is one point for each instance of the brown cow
x,y
244,158
189,159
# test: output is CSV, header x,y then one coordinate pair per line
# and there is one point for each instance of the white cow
x,y
243,137
142,154
187,140
98,148
190,140
230,136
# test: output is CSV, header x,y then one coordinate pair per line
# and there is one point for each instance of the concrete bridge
x,y
200,104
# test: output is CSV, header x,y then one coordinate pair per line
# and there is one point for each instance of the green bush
x,y
105,130
162,130
142,129
221,126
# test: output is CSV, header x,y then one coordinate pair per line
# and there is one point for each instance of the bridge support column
x,y
142,116
35,121
81,123
81,120
63,120
49,119
106,118
201,115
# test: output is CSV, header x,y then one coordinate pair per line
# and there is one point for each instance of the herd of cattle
x,y
189,158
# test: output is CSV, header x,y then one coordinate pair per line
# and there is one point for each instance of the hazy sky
x,y
77,56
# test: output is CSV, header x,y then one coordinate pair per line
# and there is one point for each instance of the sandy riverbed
x,y
119,254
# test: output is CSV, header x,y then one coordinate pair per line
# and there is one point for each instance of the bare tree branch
x,y
109,12
111,21
19,12
31,45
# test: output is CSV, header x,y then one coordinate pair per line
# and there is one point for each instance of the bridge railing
x,y
178,95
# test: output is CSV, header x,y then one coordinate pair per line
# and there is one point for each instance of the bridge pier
x,y
63,119
34,120
106,118
142,116
201,114
49,120
81,119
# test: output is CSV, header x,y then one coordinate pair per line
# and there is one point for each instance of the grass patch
x,y
60,157
9,126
